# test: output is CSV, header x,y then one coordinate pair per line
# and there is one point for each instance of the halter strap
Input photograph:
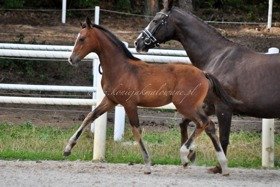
x,y
150,37
100,69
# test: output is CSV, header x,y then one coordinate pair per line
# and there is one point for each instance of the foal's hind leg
x,y
201,120
211,132
103,107
137,133
184,136
186,151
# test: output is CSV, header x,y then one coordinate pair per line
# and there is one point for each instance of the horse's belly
x,y
263,107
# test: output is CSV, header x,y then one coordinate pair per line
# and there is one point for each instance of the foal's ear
x,y
88,22
167,5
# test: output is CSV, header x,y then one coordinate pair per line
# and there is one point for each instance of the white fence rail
x,y
53,88
46,101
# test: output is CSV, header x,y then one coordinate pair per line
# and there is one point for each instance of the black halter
x,y
150,39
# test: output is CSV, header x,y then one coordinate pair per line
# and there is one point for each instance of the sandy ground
x,y
54,173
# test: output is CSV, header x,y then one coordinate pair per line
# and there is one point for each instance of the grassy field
x,y
31,142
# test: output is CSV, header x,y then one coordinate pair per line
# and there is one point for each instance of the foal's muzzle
x,y
74,60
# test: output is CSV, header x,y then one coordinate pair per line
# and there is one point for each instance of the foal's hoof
x,y
185,165
225,174
147,172
66,153
192,156
215,170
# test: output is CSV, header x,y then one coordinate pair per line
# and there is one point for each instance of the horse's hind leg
x,y
211,132
137,133
103,107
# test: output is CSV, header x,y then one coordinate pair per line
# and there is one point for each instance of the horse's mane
x,y
200,20
116,41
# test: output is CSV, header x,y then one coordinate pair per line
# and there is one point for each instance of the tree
x,y
151,7
187,4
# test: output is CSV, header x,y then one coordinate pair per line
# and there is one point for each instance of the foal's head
x,y
85,43
159,30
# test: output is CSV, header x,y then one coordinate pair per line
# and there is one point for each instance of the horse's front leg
x,y
103,107
224,115
211,132
137,133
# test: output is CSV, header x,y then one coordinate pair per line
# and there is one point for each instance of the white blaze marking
x,y
76,41
73,48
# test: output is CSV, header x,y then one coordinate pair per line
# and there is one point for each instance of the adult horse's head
x,y
84,44
158,31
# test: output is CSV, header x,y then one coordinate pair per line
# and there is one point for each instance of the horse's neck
x,y
201,42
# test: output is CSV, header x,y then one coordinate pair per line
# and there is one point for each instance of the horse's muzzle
x,y
140,46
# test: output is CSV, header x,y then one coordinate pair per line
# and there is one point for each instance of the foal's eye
x,y
82,39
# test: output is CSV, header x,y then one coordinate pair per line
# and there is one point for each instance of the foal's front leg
x,y
137,133
103,107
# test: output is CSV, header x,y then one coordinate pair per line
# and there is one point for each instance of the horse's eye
x,y
155,21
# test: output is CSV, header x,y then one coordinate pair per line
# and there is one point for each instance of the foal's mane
x,y
116,41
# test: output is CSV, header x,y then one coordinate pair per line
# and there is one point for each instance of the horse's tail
x,y
220,92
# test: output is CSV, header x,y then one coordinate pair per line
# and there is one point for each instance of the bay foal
x,y
131,82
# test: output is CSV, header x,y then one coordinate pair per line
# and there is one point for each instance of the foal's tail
x,y
220,92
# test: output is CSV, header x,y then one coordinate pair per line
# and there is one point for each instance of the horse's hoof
x,y
67,153
215,170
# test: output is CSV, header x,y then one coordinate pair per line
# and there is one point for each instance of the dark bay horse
x,y
250,77
131,82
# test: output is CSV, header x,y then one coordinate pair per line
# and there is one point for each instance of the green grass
x,y
31,142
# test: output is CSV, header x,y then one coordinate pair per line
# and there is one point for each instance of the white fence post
x,y
100,125
268,134
63,13
268,142
119,123
101,122
269,18
96,15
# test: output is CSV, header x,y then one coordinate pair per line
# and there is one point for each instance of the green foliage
x,y
13,3
88,3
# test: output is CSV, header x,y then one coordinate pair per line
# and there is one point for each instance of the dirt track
x,y
53,173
